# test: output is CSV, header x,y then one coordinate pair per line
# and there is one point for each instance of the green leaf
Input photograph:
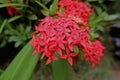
x,y
76,49
98,10
14,18
100,1
3,43
45,12
42,5
53,7
61,70
13,38
32,17
12,4
45,1
104,15
3,1
18,43
61,10
3,25
113,17
22,66
1,71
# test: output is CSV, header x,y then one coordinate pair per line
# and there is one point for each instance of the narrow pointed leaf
x,y
22,66
3,25
42,5
53,7
15,18
45,12
12,4
32,17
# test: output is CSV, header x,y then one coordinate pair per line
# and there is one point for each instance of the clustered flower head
x,y
55,38
78,11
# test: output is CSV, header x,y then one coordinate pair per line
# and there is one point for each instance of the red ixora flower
x,y
57,35
93,52
61,34
12,11
78,11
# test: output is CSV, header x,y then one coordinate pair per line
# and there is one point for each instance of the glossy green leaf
x,y
22,66
61,70
53,7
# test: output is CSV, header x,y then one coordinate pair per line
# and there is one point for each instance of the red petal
x,y
54,58
34,52
48,60
64,56
70,47
69,40
42,55
59,51
61,45
73,54
70,60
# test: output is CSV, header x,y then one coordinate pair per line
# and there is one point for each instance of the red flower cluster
x,y
93,51
78,11
60,35
63,33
